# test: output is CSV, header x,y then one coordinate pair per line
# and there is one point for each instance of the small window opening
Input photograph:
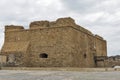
x,y
85,56
7,58
43,55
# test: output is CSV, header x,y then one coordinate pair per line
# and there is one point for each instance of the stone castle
x,y
61,43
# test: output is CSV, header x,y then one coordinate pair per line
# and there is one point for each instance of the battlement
x,y
99,37
61,22
65,22
58,23
39,24
13,28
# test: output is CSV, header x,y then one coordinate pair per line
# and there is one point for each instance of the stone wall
x,y
55,43
101,46
60,43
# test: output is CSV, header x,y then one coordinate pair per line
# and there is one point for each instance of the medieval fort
x,y
61,43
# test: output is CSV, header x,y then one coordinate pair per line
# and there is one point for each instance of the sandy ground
x,y
57,75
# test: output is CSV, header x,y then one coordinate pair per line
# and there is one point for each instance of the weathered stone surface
x,y
62,43
65,22
39,24
13,28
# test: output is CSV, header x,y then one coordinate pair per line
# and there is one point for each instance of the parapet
x,y
65,22
39,24
99,37
58,23
83,29
61,22
13,28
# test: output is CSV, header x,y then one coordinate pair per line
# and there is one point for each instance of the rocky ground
x,y
57,75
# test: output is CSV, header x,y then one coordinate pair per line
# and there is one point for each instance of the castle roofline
x,y
61,22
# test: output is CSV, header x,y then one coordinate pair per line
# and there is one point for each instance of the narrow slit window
x,y
85,56
43,55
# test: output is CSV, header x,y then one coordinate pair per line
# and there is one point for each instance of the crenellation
x,y
97,36
13,28
83,30
65,22
61,22
39,24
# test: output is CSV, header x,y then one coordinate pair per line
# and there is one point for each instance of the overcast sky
x,y
99,16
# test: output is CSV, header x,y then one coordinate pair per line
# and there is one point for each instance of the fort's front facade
x,y
61,43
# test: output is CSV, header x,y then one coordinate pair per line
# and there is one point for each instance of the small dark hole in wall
x,y
85,56
43,55
7,59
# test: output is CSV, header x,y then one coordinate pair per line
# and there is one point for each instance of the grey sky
x,y
99,16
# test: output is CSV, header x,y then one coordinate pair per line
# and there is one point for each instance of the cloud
x,y
90,6
99,16
21,11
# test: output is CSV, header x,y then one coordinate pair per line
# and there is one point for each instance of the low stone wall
x,y
62,69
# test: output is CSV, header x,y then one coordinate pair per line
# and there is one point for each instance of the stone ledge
x,y
62,69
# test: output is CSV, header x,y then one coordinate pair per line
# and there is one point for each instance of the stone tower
x,y
61,43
